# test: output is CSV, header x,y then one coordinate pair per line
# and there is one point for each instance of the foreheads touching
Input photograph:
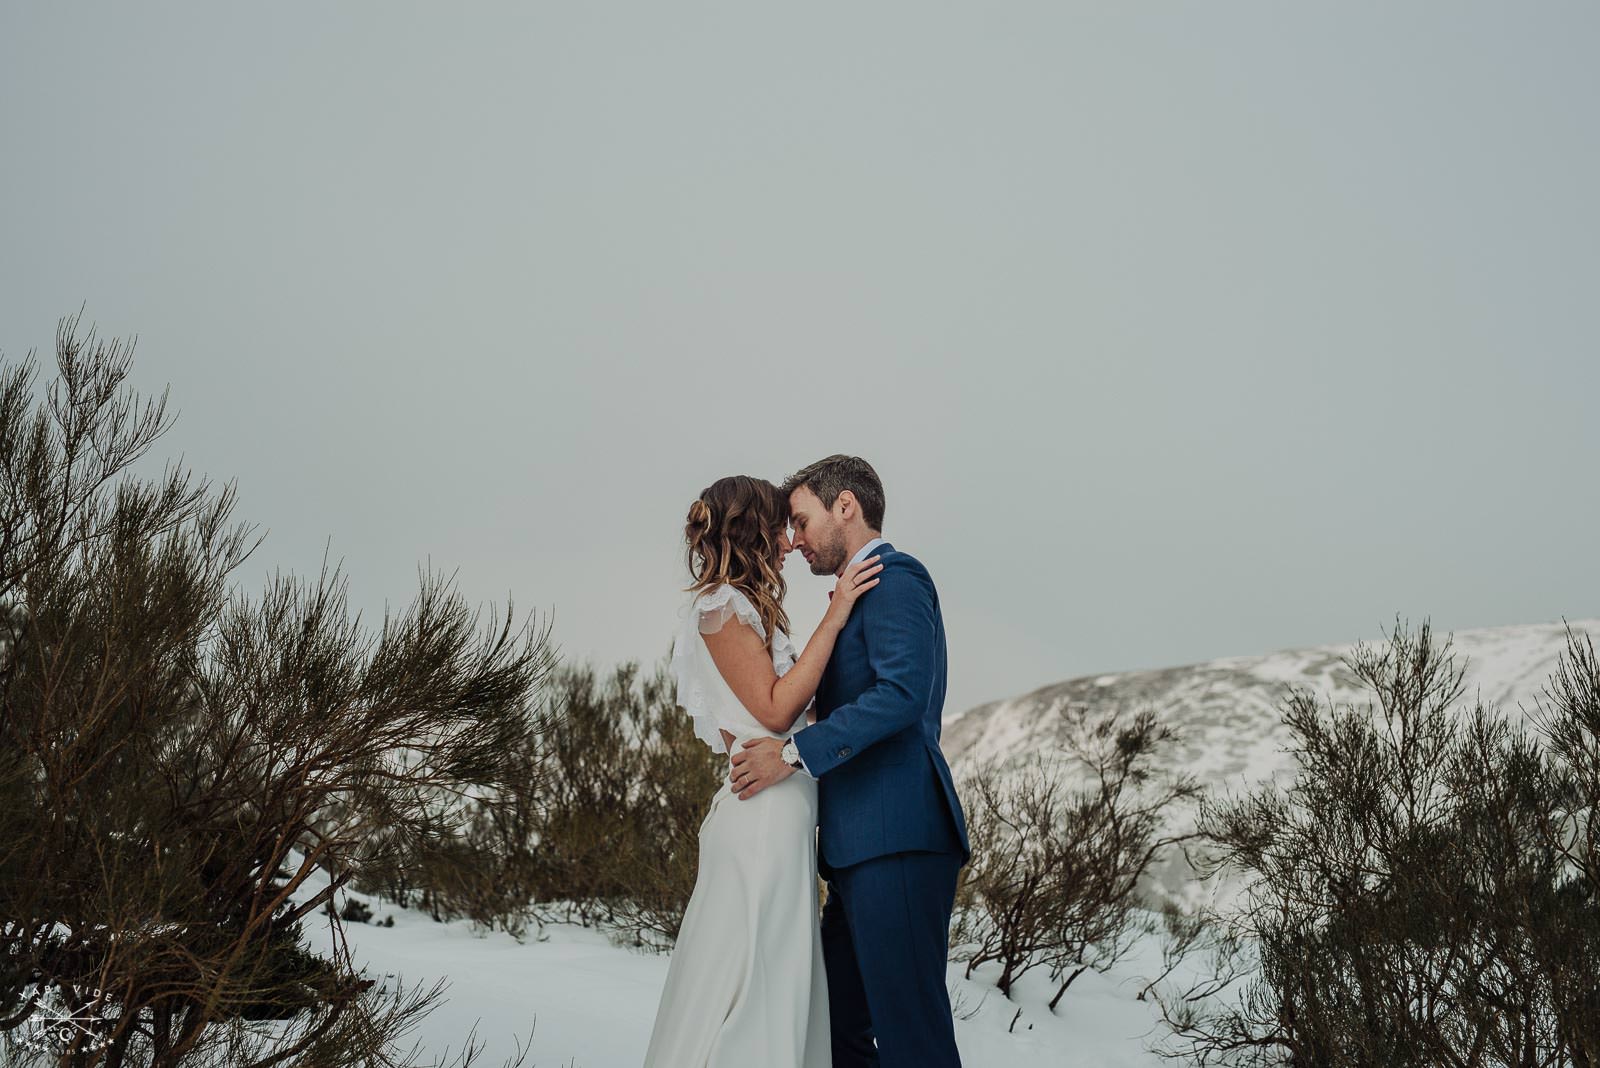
x,y
835,506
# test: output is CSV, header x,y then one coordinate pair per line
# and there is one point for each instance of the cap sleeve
x,y
701,690
716,607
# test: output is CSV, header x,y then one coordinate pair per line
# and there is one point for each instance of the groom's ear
x,y
846,504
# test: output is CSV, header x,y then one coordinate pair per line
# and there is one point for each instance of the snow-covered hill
x,y
1226,712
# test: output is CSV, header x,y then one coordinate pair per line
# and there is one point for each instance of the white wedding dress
x,y
746,986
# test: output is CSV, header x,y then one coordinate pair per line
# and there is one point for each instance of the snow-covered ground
x,y
590,1004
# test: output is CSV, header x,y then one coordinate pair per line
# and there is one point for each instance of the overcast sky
x,y
1175,331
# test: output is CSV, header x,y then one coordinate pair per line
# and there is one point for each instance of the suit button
x,y
844,752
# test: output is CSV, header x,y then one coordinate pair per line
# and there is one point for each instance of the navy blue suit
x,y
891,835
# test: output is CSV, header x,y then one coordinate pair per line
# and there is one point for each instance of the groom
x,y
892,837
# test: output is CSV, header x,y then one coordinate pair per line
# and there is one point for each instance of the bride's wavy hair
x,y
732,533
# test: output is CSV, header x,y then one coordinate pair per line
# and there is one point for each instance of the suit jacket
x,y
883,785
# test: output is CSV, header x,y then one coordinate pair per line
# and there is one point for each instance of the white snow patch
x,y
590,1004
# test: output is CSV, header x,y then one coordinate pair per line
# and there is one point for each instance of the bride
x,y
746,985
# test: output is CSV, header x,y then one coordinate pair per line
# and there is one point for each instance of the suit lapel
x,y
825,684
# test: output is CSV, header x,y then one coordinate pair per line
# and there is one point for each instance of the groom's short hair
x,y
829,477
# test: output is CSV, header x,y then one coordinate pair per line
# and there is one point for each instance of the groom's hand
x,y
757,765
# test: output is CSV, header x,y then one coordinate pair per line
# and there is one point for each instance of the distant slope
x,y
1226,712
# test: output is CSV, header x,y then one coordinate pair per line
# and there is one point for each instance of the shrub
x,y
627,785
1424,891
1058,850
177,760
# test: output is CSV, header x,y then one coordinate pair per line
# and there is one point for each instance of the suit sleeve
x,y
899,632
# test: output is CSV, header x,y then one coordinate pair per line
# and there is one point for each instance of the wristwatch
x,y
791,755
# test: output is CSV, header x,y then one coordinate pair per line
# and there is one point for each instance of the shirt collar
x,y
866,550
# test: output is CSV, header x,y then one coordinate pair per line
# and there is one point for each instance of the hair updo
x,y
732,533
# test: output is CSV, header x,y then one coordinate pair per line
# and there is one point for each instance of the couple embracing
x,y
834,768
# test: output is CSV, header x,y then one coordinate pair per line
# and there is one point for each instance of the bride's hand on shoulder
x,y
857,579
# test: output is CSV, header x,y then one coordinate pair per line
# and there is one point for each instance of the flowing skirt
x,y
746,986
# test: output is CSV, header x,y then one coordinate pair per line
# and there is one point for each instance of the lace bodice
x,y
702,691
